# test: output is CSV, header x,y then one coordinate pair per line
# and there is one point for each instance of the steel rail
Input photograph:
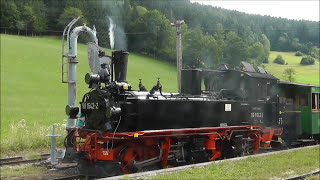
x,y
19,160
303,176
72,177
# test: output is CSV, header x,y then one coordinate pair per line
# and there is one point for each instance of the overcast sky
x,y
307,9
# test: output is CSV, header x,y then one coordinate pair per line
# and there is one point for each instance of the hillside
x,y
33,97
304,74
209,33
31,87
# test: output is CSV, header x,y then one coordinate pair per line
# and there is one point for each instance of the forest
x,y
210,35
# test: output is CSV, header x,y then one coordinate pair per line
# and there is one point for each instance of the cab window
x,y
315,101
303,100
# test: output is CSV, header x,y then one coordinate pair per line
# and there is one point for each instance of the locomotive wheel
x,y
128,158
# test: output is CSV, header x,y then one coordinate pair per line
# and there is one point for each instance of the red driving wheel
x,y
128,157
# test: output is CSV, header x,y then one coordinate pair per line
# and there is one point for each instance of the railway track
x,y
72,177
20,160
75,176
304,176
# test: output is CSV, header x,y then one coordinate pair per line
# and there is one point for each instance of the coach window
x,y
303,100
315,101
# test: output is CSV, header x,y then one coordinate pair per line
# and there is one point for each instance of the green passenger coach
x,y
306,100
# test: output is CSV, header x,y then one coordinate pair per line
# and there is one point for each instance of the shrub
x,y
289,74
315,52
266,60
298,53
279,60
307,60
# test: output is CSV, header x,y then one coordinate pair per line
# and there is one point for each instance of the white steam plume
x,y
111,33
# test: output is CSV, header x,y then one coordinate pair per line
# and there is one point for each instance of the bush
x,y
266,60
279,60
289,74
307,60
298,53
314,52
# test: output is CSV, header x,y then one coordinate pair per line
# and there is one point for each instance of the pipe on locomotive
x,y
71,108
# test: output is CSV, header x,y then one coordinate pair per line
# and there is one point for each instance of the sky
x,y
306,10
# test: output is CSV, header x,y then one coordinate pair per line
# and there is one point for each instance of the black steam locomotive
x,y
236,113
232,100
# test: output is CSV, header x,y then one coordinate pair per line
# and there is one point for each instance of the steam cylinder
x,y
120,61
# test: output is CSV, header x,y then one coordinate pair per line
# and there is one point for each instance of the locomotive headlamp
x,y
104,73
111,111
103,76
72,111
92,78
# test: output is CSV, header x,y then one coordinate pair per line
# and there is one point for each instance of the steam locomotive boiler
x,y
140,110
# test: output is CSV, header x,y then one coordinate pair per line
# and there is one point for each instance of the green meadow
x,y
307,74
33,97
277,166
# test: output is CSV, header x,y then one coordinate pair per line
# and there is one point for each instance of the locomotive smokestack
x,y
120,61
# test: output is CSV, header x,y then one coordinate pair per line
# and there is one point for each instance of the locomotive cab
x,y
258,89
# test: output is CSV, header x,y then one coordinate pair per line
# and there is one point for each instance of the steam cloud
x,y
111,33
117,35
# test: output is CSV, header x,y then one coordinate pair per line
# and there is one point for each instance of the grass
x,y
33,171
282,165
308,74
314,177
33,97
18,171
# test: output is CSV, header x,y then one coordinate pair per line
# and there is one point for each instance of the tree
x,y
53,11
315,52
141,11
28,17
194,48
235,50
295,45
248,36
159,32
289,74
265,41
40,21
70,13
19,25
283,43
211,52
257,53
9,13
306,48
266,44
219,36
